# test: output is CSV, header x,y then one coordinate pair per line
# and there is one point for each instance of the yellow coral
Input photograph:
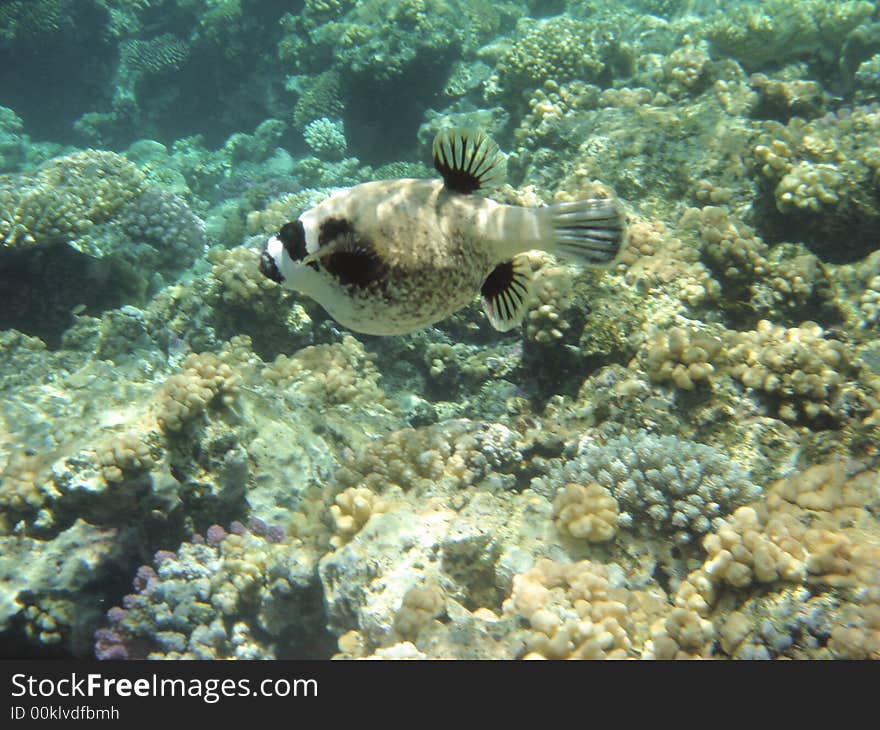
x,y
237,276
417,457
552,294
586,511
800,366
352,509
743,551
185,395
420,605
575,612
652,256
684,357
65,197
343,372
126,453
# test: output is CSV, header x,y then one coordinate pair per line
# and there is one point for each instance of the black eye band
x,y
293,238
268,268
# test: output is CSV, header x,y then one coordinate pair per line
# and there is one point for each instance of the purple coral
x,y
176,597
110,645
215,534
143,577
272,533
236,528
162,555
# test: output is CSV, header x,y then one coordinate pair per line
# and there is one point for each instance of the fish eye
x,y
293,237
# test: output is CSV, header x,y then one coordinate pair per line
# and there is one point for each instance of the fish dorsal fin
x,y
468,160
505,293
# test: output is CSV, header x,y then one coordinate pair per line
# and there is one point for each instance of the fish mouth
x,y
268,267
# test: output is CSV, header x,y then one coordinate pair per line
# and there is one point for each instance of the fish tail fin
x,y
589,231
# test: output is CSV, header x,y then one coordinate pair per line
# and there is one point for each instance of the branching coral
x,y
788,94
457,453
420,606
217,597
461,367
758,282
586,511
679,486
326,138
799,369
870,303
162,53
778,30
812,529
236,277
552,294
65,197
743,551
23,486
204,380
823,176
653,257
334,374
279,211
687,68
411,28
28,21
352,508
577,612
165,222
319,96
684,357
124,455
558,49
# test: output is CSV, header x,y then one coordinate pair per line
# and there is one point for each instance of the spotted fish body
x,y
391,257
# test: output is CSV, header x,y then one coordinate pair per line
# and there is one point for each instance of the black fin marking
x,y
505,294
468,160
589,231
293,237
351,260
358,266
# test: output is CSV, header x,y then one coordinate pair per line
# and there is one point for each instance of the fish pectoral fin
x,y
468,160
325,251
505,293
312,258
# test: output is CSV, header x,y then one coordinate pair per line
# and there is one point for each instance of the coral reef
x,y
65,197
558,48
778,31
576,612
680,487
674,456
450,453
203,380
339,373
215,598
326,138
800,369
588,512
165,222
822,176
681,356
783,282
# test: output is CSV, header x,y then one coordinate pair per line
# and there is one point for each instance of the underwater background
x,y
674,457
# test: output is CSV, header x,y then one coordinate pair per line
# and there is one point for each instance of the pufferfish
x,y
393,256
